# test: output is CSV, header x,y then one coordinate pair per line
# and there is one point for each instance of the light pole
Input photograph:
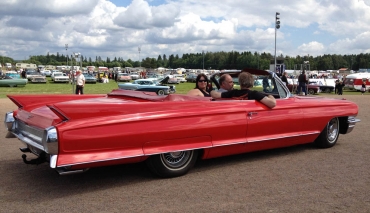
x,y
139,49
76,56
203,58
277,26
66,45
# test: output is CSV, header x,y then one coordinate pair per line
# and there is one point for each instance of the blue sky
x,y
116,28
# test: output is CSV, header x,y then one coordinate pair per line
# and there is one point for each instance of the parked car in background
x,y
191,77
59,77
47,73
7,81
149,85
31,73
311,89
123,77
172,80
134,75
73,133
90,78
13,74
157,77
180,78
323,88
38,79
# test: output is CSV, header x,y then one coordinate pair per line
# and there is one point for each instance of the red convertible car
x,y
170,133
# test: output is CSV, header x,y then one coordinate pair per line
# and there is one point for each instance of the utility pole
x,y
66,45
277,26
203,58
139,49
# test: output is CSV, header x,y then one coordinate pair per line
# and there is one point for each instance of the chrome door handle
x,y
250,114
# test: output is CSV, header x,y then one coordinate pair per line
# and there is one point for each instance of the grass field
x,y
66,88
98,88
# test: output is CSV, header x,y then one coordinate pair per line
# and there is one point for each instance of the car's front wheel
x,y
160,92
311,91
172,164
328,90
329,135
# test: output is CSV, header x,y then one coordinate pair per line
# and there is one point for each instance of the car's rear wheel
x,y
311,91
328,90
329,136
160,92
172,164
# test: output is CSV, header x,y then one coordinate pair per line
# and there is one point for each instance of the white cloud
x,y
312,48
98,27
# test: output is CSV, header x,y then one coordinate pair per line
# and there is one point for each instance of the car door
x,y
277,127
272,128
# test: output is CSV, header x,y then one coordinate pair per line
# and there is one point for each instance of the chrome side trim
x,y
352,120
97,161
291,136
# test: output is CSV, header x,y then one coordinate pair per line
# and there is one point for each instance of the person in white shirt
x,y
80,83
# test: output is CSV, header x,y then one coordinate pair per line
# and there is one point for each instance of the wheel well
x,y
343,125
200,154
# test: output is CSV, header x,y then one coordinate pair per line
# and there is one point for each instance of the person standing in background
x,y
80,83
363,88
302,81
284,78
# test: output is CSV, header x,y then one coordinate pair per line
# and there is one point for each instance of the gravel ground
x,y
294,179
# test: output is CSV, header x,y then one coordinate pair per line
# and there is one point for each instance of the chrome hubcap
x,y
176,160
333,129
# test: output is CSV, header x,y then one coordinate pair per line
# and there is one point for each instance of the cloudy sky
x,y
117,28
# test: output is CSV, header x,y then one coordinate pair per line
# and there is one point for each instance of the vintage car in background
x,y
134,75
47,73
323,88
172,79
73,133
123,77
13,74
59,77
32,73
310,88
150,86
191,77
156,77
180,78
7,81
38,79
90,78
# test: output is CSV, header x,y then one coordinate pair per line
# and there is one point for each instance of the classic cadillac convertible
x,y
170,133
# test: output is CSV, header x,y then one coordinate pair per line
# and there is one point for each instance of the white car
x,y
47,73
59,77
134,76
180,78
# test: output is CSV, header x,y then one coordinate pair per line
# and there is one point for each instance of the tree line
x,y
209,60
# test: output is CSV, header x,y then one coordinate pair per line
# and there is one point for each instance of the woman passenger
x,y
201,87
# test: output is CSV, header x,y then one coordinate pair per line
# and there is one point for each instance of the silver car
x,y
149,85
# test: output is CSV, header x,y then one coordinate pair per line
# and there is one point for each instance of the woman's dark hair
x,y
197,79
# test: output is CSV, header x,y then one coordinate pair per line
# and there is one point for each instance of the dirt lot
x,y
295,179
